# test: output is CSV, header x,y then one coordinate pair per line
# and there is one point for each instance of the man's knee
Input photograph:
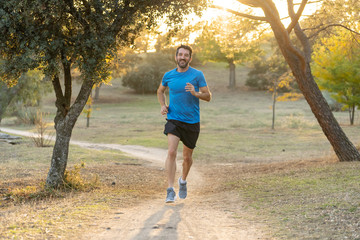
x,y
172,154
188,159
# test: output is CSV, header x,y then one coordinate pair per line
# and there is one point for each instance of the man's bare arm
x,y
162,99
203,94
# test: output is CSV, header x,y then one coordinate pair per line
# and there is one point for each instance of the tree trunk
x,y
88,120
64,123
59,158
97,92
299,63
89,106
274,105
232,82
352,114
342,146
300,67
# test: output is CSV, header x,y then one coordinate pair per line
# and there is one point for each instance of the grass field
x,y
288,177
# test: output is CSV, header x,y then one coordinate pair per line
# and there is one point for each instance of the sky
x,y
280,4
212,13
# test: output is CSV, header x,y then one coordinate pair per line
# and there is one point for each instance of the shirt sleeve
x,y
201,79
164,81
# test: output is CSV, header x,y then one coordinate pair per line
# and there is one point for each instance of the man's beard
x,y
183,63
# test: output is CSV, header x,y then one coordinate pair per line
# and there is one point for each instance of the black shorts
x,y
188,133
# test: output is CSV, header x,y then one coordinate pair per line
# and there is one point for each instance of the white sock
x,y
182,181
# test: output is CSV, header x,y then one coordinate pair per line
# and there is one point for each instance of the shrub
x,y
73,180
257,77
333,104
267,72
147,75
41,138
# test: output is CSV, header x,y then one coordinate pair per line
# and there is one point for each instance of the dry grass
x,y
276,176
28,211
316,199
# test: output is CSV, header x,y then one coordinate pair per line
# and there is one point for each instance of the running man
x,y
186,86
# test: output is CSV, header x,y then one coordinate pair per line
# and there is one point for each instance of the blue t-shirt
x,y
183,105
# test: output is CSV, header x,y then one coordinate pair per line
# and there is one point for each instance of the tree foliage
x,y
266,70
332,16
146,76
337,68
60,35
228,39
298,60
124,60
273,74
30,89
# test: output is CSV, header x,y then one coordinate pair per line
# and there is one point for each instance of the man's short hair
x,y
184,47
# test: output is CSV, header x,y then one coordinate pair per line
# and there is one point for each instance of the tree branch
x,y
67,80
76,14
326,27
122,12
295,17
240,14
298,31
80,101
60,100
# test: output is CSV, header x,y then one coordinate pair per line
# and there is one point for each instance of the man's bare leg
x,y
170,164
187,155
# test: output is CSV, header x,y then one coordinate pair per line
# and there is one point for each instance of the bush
x,y
73,180
41,138
266,72
147,75
24,114
334,105
257,77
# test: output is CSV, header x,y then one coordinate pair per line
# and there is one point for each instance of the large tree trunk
x,y
65,120
232,82
299,64
59,158
342,146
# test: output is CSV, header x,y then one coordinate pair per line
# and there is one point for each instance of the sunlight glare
x,y
226,3
280,4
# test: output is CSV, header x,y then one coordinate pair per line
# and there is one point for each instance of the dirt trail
x,y
196,217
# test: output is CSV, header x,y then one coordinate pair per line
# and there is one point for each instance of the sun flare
x,y
226,3
281,6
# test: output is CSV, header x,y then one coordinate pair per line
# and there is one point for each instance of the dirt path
x,y
198,217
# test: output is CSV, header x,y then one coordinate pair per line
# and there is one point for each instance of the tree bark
x,y
64,123
232,81
59,159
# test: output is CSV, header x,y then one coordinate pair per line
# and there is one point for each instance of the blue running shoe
x,y
171,195
182,189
